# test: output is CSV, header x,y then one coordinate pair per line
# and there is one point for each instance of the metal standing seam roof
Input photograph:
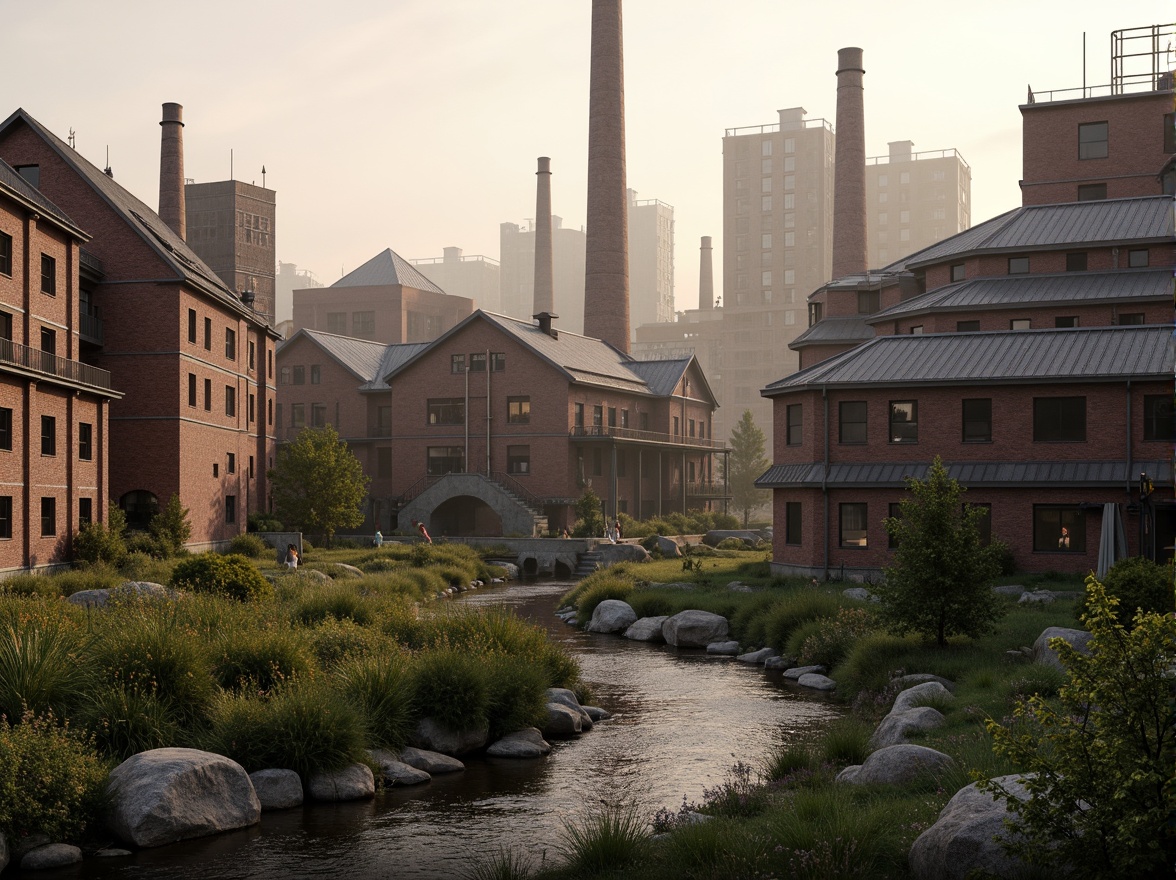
x,y
1072,354
662,376
386,268
171,248
1069,225
968,473
394,356
827,330
1027,290
24,191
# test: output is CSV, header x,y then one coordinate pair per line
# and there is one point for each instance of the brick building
x,y
1032,353
54,409
194,364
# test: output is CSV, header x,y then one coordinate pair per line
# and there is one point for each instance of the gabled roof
x,y
834,330
386,268
1069,225
1026,290
1009,356
21,190
143,220
364,359
394,356
662,376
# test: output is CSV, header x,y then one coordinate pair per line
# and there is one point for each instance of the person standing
x,y
291,557
378,540
617,528
420,527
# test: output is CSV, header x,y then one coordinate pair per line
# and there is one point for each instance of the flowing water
x,y
681,719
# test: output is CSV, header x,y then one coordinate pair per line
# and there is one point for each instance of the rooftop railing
x,y
775,127
915,157
48,364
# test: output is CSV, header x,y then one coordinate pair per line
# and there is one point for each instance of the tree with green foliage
x,y
96,542
1098,761
318,484
170,527
940,582
1140,584
589,515
745,465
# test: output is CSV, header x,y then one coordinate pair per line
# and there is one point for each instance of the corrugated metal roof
x,y
24,191
1147,218
1014,290
394,356
827,330
1007,356
968,473
662,376
385,268
361,356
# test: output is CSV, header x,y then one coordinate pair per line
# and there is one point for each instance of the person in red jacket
x,y
420,527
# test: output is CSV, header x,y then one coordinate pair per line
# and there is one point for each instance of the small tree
x,y
170,527
1099,762
745,465
589,516
96,542
939,584
318,484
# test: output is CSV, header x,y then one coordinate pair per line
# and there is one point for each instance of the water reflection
x,y
680,720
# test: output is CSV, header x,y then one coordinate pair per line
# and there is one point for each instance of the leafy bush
x,y
452,688
145,544
1002,555
589,515
40,668
261,660
170,527
249,545
51,780
602,588
98,542
1139,583
264,522
30,585
731,544
794,610
231,576
126,721
517,694
144,567
833,639
340,601
381,687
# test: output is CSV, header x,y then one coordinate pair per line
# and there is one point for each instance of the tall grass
x,y
124,722
505,864
41,668
611,839
381,686
452,687
260,659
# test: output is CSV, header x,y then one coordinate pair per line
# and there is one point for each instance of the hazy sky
x,y
415,124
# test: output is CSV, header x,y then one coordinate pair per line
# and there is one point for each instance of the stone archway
x,y
465,515
140,506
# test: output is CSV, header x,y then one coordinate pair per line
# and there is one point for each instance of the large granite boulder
x,y
1076,638
353,783
759,657
395,771
1036,597
900,764
562,721
343,570
611,616
52,855
921,695
164,795
728,648
668,547
859,594
817,682
431,762
795,672
611,554
430,734
965,840
526,743
898,726
277,789
127,590
694,629
716,536
913,678
647,629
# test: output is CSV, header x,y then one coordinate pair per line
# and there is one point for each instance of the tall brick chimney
x,y
606,247
706,276
849,169
544,266
171,170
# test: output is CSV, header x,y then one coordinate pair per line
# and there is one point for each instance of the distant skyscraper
x,y
290,279
474,277
517,252
651,261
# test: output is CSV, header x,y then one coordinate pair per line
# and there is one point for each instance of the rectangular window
x,y
208,334
1020,324
337,322
383,421
1018,265
48,344
363,324
792,522
216,468
1137,258
230,344
316,374
208,395
285,376
192,326
5,517
625,419
48,517
612,416
6,325
984,523
497,361
297,415
252,407
252,355
230,400
518,410
318,415
48,435
1158,424
251,467
1170,133
794,432
518,459
1092,140
446,411
977,418
298,375
904,421
457,363
191,389
1076,262
852,525
967,326
1066,321
85,511
5,428
1059,419
1059,528
1129,318
598,417
231,463
677,427
917,330
269,414
478,362
852,421
578,415
1092,192
6,264
868,301
444,460
48,275
384,463
230,508
85,441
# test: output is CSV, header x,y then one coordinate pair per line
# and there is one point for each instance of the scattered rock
x,y
668,547
921,677
52,855
1037,597
647,629
715,536
98,598
779,662
562,721
796,672
758,657
347,571
277,789
673,585
1009,590
612,615
817,682
1043,653
28,843
430,734
724,649
112,853
353,783
896,727
900,764
164,795
694,629
611,554
526,743
596,713
859,594
920,695
431,762
849,774
738,587
396,772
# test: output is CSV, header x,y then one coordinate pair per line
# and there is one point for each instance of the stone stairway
x,y
539,519
586,563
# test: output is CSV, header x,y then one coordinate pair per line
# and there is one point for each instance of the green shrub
x,y
146,545
30,585
609,840
264,522
144,567
336,640
731,544
651,603
1035,679
382,688
788,761
794,610
98,542
170,527
873,659
452,688
846,741
833,639
1002,554
749,624
41,669
231,576
250,546
604,587
126,721
97,576
260,660
1139,583
51,780
340,601
517,694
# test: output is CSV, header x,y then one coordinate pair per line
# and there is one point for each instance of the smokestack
x,y
706,276
849,169
544,271
606,247
171,170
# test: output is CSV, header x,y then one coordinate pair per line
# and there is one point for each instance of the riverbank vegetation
x,y
302,669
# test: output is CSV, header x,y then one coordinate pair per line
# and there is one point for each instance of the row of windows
x,y
363,324
442,460
48,515
296,375
1055,420
1076,261
48,265
318,415
1122,319
452,411
230,398
230,342
231,465
477,362
48,435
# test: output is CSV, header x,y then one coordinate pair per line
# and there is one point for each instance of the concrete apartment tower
x,y
849,168
171,170
606,259
544,265
706,276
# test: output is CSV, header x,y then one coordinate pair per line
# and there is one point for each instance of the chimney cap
x,y
545,319
173,112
